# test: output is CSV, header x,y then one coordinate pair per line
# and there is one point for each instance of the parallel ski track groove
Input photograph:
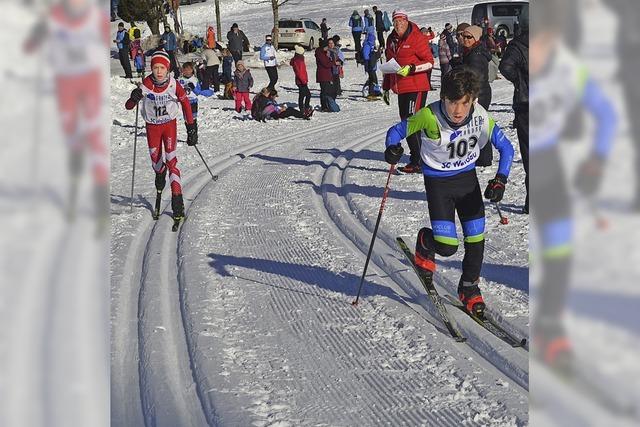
x,y
148,228
340,164
491,252
331,339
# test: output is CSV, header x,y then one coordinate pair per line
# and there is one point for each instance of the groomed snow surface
x,y
244,316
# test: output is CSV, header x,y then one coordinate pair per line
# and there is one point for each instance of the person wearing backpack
x,y
122,41
356,24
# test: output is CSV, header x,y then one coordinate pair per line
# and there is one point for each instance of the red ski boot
x,y
470,295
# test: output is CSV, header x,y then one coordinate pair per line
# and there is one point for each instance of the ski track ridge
x,y
495,351
138,270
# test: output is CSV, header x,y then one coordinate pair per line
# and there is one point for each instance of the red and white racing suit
x,y
160,106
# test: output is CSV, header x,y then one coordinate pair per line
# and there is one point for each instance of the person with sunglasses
x,y
477,57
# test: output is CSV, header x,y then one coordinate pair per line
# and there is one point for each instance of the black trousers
x,y
373,81
291,112
123,55
304,97
237,55
459,194
211,78
381,39
337,84
357,39
408,105
273,76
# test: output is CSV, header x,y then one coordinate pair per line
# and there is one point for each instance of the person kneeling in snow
x,y
452,132
161,98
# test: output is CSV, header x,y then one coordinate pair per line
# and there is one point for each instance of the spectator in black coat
x,y
514,66
380,29
477,57
324,29
238,42
448,28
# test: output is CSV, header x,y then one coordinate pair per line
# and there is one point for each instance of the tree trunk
x,y
276,32
219,24
154,25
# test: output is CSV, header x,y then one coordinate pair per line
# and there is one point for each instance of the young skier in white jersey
x,y
452,132
161,98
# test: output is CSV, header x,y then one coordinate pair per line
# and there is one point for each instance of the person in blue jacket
x,y
356,24
170,45
452,132
370,56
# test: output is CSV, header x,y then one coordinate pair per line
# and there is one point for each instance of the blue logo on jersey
x,y
151,96
454,135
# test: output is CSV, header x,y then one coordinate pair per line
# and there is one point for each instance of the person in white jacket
x,y
268,55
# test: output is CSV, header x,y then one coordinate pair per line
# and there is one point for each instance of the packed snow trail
x,y
268,283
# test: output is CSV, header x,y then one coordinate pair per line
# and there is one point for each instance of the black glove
x,y
589,175
192,134
495,188
393,154
191,86
136,95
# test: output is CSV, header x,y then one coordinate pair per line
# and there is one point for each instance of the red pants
x,y
242,96
157,137
80,104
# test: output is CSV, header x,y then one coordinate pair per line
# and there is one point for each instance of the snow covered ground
x,y
244,316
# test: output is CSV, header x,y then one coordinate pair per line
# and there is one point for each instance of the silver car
x,y
301,31
501,15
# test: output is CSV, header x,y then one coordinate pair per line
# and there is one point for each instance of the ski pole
x,y
213,177
375,232
135,144
503,219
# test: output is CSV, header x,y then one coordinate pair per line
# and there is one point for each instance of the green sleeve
x,y
424,119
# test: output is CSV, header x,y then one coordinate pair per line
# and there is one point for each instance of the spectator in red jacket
x,y
324,75
410,48
302,79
